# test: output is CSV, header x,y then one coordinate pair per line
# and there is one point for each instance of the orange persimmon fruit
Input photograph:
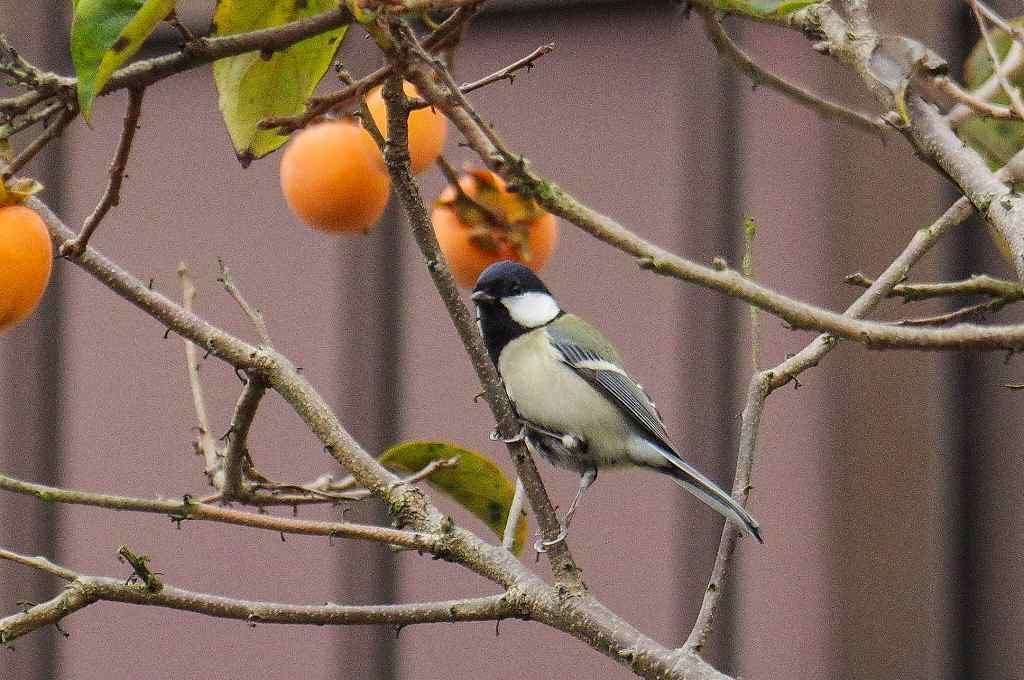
x,y
333,177
26,260
494,224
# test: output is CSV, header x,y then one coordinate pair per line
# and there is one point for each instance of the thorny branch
x,y
759,76
112,194
83,590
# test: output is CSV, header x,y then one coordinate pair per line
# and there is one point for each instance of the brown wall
x,y
887,485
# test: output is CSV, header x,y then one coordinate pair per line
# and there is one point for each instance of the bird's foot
x,y
495,436
542,546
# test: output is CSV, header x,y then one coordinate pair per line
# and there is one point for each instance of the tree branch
x,y
407,504
238,440
188,509
112,195
759,76
798,315
396,156
981,284
1012,92
85,590
205,443
763,383
508,72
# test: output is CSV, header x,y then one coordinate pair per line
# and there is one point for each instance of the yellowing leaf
x,y
474,482
254,86
763,9
106,33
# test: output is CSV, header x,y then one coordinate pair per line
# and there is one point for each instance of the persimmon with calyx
x,y
427,128
485,222
26,259
333,177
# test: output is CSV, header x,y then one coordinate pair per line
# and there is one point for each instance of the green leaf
x,y
763,9
474,482
254,86
106,33
996,140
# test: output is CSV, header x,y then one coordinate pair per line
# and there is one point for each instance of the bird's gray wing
x,y
594,359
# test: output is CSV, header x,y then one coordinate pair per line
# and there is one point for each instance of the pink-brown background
x,y
887,485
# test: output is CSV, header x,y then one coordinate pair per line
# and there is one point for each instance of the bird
x,y
578,407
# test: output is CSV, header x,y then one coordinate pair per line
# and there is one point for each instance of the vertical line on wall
x,y
370,345
962,478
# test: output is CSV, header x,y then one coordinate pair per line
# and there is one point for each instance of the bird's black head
x,y
511,300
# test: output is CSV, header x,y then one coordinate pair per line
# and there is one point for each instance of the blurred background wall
x,y
887,484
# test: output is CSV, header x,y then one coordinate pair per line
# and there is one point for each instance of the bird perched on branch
x,y
579,408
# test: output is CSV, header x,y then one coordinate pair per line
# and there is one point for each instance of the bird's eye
x,y
515,289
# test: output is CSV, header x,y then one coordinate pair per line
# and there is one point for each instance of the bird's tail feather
x,y
710,493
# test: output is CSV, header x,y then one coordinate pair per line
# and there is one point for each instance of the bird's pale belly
x,y
539,387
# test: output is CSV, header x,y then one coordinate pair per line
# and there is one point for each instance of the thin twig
x,y
85,590
319,491
759,76
28,120
976,285
250,312
763,383
112,195
322,104
36,145
189,509
508,73
988,90
1012,92
205,443
1015,31
184,31
980,106
237,452
970,312
798,315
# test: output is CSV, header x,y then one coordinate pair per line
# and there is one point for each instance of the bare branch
x,y
1011,91
976,285
112,195
250,312
396,155
44,614
971,100
759,76
970,312
55,129
238,445
85,590
205,443
188,509
319,105
1010,68
762,384
408,505
508,73
719,277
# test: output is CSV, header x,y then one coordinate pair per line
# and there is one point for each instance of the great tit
x,y
579,408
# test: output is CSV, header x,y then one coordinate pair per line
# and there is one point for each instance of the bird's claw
x,y
542,546
495,436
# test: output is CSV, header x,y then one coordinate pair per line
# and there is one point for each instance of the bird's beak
x,y
481,296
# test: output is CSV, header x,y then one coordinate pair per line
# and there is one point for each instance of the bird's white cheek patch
x,y
531,309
